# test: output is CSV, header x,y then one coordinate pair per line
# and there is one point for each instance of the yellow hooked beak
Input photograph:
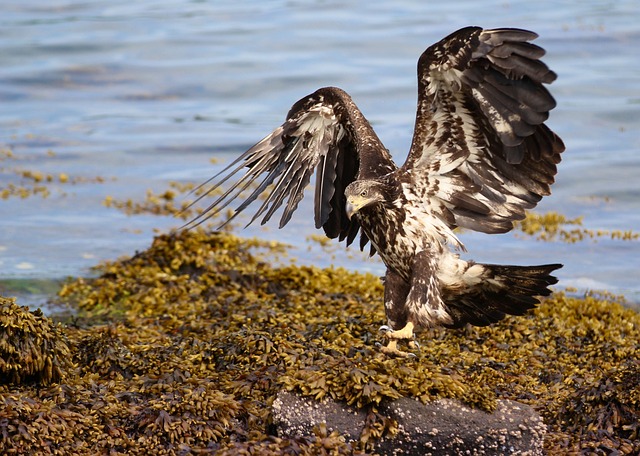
x,y
354,204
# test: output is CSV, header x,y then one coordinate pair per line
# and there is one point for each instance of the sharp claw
x,y
391,349
394,336
394,351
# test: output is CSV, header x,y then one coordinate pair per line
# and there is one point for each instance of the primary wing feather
x,y
323,133
481,154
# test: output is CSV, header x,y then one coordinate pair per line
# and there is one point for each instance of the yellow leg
x,y
404,333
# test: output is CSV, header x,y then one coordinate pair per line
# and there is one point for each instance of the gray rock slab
x,y
443,427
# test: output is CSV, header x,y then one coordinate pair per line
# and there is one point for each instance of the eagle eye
x,y
363,193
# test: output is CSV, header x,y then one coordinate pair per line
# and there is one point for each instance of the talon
x,y
385,329
392,350
406,333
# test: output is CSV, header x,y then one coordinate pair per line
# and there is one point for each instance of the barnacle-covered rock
x,y
32,348
441,427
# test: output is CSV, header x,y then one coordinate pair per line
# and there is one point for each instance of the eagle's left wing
x,y
481,153
324,133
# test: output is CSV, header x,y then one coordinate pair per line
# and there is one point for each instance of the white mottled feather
x,y
481,155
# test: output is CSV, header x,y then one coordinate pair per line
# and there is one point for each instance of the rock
x,y
297,416
443,427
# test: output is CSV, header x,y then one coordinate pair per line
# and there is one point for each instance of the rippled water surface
x,y
146,92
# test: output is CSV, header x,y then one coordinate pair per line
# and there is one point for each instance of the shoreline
x,y
207,313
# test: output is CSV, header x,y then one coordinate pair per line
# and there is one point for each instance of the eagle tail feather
x,y
499,290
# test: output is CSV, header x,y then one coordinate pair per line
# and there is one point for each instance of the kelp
x,y
553,226
32,348
25,182
183,347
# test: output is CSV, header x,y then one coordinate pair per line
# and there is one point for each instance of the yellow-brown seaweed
x,y
32,348
183,347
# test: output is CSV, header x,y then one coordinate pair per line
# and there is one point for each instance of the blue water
x,y
145,92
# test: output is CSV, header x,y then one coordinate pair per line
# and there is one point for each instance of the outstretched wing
x,y
324,132
481,153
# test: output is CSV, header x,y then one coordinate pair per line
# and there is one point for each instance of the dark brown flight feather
x,y
481,155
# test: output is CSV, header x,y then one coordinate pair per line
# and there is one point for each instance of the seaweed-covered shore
x,y
182,349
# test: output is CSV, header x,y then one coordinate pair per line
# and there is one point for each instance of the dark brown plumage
x,y
481,155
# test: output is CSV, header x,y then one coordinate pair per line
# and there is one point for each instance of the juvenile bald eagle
x,y
480,156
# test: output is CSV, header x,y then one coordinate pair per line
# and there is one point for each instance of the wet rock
x,y
443,427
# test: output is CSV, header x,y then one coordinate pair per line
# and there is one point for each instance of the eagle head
x,y
364,193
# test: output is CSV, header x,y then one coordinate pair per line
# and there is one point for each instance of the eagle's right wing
x,y
324,132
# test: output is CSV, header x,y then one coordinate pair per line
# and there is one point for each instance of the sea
x,y
113,99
